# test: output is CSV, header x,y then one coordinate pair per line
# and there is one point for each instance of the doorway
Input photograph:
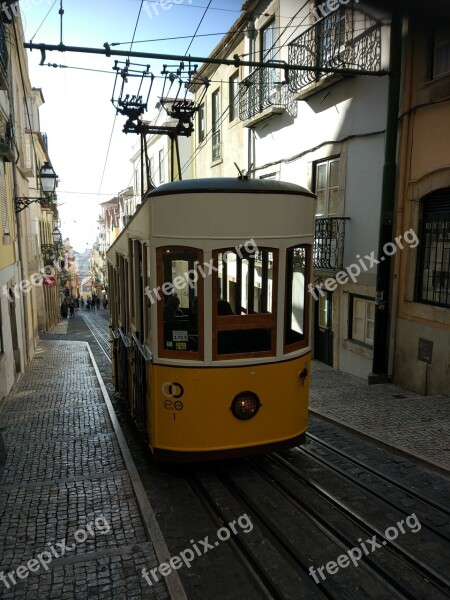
x,y
323,333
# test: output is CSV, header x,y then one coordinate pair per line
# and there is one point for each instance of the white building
x,y
325,132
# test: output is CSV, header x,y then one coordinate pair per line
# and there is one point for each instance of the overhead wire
x,y
182,37
45,18
198,26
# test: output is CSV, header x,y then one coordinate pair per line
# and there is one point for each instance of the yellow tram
x,y
210,316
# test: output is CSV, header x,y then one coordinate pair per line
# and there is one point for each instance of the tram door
x,y
323,333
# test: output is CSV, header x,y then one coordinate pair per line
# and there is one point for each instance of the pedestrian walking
x,y
88,304
97,302
105,302
72,308
64,310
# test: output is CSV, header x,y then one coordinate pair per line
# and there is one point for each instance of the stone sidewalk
x,y
399,419
75,520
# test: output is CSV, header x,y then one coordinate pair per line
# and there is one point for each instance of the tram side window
x,y
180,289
296,295
245,319
245,281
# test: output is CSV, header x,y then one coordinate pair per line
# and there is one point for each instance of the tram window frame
x,y
179,253
299,341
257,322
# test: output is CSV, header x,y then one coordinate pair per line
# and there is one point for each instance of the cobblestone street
x,y
395,417
65,479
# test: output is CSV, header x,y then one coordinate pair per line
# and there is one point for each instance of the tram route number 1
x,y
172,391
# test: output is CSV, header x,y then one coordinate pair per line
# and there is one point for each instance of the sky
x,y
78,115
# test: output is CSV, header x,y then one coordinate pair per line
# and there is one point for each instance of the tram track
x,y
101,337
376,472
427,510
302,518
294,515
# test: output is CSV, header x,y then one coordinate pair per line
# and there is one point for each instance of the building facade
x,y
25,307
421,287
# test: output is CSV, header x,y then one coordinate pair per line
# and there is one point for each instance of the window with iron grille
x,y
216,150
330,229
433,273
330,35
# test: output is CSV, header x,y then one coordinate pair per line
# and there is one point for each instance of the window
x,y
180,305
234,97
441,52
201,123
216,125
151,169
327,187
161,166
362,320
433,274
245,320
137,182
296,320
4,200
269,90
330,36
268,51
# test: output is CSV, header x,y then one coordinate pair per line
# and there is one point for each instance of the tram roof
x,y
229,185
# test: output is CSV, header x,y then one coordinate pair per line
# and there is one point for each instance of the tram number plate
x,y
180,336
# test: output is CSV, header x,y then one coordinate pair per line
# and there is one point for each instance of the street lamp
x,y
57,237
48,178
57,242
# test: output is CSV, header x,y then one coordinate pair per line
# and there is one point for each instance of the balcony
x,y
262,95
344,39
329,243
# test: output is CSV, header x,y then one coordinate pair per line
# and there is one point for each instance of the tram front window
x,y
180,299
245,319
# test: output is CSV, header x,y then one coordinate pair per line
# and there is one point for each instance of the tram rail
x,y
282,499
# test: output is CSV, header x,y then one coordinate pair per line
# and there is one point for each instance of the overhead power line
x,y
236,61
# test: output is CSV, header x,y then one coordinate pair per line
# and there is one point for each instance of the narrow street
x,y
307,506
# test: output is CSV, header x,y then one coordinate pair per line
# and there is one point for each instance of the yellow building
x,y
421,284
25,225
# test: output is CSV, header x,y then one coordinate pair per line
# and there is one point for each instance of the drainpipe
x,y
401,226
380,341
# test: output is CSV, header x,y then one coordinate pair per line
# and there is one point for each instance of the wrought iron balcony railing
x,y
263,89
344,39
329,243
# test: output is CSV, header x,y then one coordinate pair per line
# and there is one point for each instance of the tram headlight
x,y
245,405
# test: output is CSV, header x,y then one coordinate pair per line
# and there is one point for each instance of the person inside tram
x,y
171,309
224,307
